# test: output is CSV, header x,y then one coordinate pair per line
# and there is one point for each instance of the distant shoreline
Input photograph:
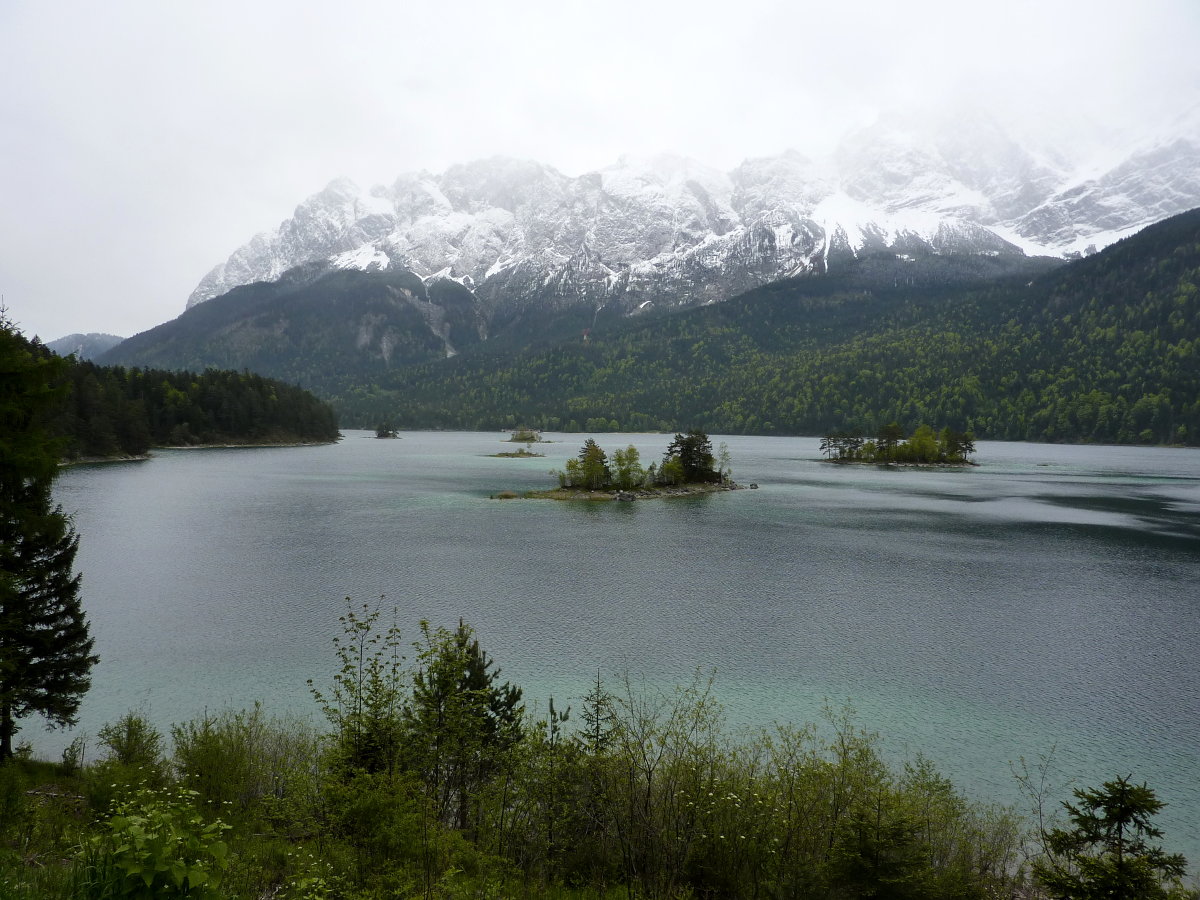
x,y
247,445
91,460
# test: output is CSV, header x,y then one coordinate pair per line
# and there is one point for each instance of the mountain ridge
x,y
668,229
1102,349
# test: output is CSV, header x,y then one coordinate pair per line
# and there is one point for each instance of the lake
x,y
1047,600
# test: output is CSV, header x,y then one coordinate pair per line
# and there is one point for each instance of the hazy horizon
x,y
146,143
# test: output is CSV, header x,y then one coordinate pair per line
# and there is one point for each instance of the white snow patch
x,y
366,258
858,220
1031,248
499,266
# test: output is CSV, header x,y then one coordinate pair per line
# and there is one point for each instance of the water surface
x,y
1044,600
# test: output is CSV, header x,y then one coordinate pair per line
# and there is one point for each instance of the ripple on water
x,y
1045,599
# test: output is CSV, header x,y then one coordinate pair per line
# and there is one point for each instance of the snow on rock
x,y
365,258
669,229
333,221
1158,180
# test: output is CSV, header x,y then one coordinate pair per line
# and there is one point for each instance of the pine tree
x,y
599,719
695,455
462,720
45,646
1106,852
594,468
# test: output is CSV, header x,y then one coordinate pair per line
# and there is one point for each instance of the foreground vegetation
x,y
432,781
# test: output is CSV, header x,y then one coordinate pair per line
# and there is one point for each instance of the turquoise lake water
x,y
1047,600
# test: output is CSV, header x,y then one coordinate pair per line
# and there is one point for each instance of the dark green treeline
x,y
1106,349
110,411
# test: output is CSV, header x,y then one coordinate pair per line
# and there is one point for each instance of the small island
x,y
521,435
523,453
923,448
688,467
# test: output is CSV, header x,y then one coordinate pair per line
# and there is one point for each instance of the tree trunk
x,y
7,730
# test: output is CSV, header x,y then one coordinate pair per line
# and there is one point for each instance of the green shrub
x,y
156,845
243,758
132,741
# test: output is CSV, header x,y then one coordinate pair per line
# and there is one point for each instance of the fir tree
x,y
695,455
462,720
45,646
1106,853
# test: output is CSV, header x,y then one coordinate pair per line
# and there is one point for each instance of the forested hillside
x,y
317,329
1105,349
107,411
112,411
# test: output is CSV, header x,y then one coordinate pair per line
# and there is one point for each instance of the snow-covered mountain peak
x,y
500,181
338,218
667,226
895,168
790,183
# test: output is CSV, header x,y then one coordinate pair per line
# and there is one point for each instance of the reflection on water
x,y
1046,598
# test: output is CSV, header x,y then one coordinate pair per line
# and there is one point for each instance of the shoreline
x,y
965,464
605,496
244,446
92,460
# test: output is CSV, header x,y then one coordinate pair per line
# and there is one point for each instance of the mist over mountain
x,y
671,231
84,346
401,301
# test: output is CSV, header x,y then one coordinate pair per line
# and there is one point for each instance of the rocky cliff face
x,y
670,231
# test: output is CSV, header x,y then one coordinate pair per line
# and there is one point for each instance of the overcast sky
x,y
143,142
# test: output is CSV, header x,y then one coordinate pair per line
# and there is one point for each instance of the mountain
x,y
318,328
416,300
670,232
1156,181
1105,348
343,329
84,346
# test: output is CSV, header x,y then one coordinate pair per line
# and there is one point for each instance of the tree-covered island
x,y
890,447
688,466
522,435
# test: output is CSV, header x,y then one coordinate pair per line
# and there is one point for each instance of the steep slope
x,y
1103,349
318,328
349,326
84,346
330,222
1157,181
